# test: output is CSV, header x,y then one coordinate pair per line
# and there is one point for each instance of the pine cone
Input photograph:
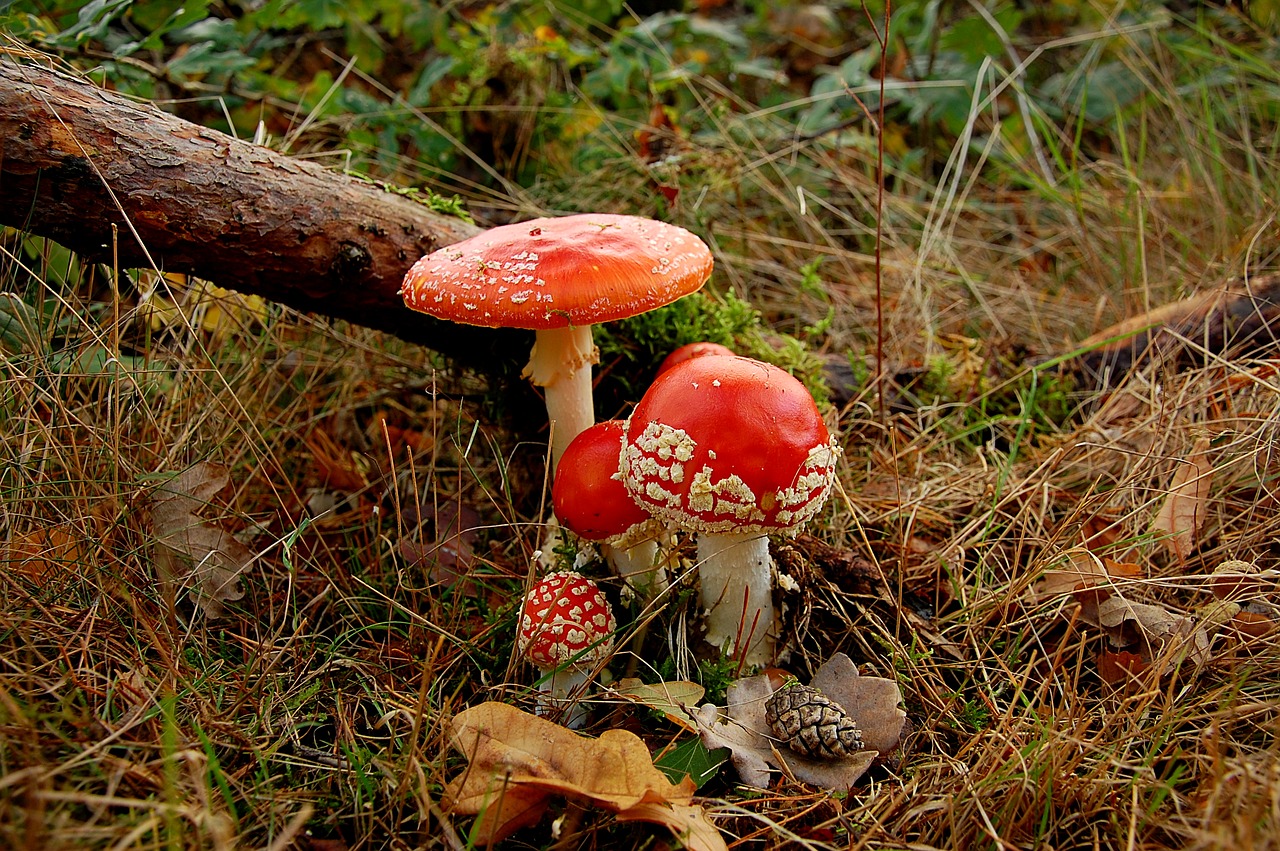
x,y
811,723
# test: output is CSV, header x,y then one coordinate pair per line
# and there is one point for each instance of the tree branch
x,y
76,160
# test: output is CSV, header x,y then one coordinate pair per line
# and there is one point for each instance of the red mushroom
x,y
692,350
566,630
733,449
559,277
591,502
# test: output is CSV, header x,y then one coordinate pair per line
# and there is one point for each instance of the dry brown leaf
x,y
517,761
872,701
41,554
1253,624
449,557
1183,511
672,699
688,822
192,553
1154,630
1120,666
1086,575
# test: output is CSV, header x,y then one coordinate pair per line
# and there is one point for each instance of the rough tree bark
x,y
84,167
1239,319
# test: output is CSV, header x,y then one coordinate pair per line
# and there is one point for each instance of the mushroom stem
x,y
736,575
639,557
560,695
637,565
561,364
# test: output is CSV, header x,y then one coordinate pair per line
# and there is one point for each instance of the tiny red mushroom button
x,y
565,615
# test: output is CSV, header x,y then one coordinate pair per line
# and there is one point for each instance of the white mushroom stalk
x,y
637,558
560,364
736,574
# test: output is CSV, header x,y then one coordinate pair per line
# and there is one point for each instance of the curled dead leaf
x,y
518,761
1120,666
449,555
193,553
873,702
1183,512
1085,575
1253,624
43,554
672,699
1156,632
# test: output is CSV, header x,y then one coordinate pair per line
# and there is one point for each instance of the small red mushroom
x,y
591,502
733,449
566,630
690,351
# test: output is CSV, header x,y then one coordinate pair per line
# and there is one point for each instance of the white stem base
x,y
736,575
561,365
561,697
638,566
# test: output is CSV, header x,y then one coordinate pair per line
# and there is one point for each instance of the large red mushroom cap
x,y
588,494
729,445
566,614
553,273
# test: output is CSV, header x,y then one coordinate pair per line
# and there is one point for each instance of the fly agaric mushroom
x,y
566,629
559,277
732,449
692,350
591,502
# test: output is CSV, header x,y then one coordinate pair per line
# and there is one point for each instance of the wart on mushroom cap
x,y
733,449
558,277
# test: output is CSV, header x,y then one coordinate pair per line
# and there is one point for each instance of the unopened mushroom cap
x,y
551,273
588,494
729,445
564,615
692,350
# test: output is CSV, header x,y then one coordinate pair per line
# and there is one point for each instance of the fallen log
x,y
1240,319
123,182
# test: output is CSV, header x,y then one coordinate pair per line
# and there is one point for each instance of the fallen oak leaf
x,y
1086,575
688,822
1121,666
873,701
1253,624
517,761
1155,630
449,557
43,554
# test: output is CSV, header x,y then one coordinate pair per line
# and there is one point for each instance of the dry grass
x,y
314,710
